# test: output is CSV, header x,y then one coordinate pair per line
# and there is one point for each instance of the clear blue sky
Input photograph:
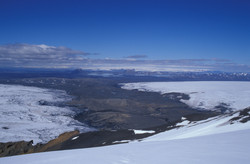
x,y
158,29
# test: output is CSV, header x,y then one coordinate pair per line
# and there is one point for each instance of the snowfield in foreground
x,y
203,94
30,113
222,139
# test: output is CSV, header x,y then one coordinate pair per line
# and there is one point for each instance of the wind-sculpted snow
x,y
208,95
31,113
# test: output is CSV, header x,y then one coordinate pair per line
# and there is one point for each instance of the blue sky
x,y
138,29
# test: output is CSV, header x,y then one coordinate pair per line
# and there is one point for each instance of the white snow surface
x,y
203,94
122,141
23,118
211,126
214,140
227,147
143,131
74,138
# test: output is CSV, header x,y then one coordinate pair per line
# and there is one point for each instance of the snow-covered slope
x,y
216,125
203,94
30,113
223,139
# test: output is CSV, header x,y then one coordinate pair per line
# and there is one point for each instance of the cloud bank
x,y
44,56
26,55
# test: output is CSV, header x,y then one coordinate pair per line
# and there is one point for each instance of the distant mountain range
x,y
125,73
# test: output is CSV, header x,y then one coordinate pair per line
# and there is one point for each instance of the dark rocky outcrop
x,y
23,147
15,148
244,116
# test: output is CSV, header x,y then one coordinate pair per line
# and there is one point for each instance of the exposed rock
x,y
61,138
100,138
244,116
23,147
15,148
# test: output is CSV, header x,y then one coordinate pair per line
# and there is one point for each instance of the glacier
x,y
31,113
204,95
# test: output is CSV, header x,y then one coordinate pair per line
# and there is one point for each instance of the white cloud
x,y
44,56
26,55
